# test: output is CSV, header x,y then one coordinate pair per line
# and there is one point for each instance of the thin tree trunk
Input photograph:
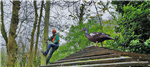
x,y
3,31
37,37
4,34
98,17
32,37
24,45
12,45
81,14
23,56
45,34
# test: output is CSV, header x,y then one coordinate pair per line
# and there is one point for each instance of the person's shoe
x,y
43,53
47,62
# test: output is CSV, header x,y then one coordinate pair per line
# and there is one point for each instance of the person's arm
x,y
50,38
56,40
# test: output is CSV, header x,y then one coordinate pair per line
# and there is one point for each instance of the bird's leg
x,y
96,43
101,44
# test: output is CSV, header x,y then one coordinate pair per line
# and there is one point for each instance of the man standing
x,y
54,45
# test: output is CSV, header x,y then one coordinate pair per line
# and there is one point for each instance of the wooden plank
x,y
119,64
100,61
89,58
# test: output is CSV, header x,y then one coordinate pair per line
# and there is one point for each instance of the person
x,y
54,45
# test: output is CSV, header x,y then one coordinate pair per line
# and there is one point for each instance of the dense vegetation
x,y
134,27
121,4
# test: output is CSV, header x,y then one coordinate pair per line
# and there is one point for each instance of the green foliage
x,y
134,42
76,40
139,47
134,27
121,4
147,42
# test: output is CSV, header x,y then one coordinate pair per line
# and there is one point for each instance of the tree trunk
x,y
32,37
3,31
81,14
45,34
23,56
37,37
4,34
12,45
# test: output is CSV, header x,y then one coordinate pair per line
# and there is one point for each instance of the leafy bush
x,y
147,42
134,27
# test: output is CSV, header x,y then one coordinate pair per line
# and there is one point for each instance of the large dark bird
x,y
96,37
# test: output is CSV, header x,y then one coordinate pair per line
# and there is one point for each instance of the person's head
x,y
54,31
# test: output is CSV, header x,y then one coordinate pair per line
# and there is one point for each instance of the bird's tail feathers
x,y
110,37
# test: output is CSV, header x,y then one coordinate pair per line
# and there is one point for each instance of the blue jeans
x,y
54,47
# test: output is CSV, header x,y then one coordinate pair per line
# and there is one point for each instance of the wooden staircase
x,y
102,57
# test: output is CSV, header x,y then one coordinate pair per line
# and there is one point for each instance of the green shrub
x,y
134,27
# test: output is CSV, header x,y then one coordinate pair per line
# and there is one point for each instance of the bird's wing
x,y
95,34
101,35
105,34
105,37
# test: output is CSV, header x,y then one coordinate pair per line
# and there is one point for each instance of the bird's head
x,y
83,29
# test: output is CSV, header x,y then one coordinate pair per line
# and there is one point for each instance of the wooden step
x,y
96,61
89,58
119,64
